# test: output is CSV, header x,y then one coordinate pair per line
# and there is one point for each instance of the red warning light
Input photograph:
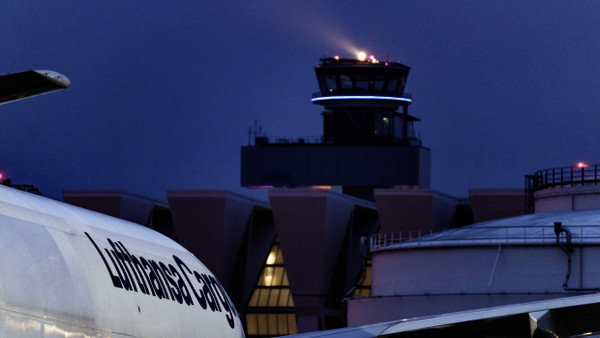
x,y
581,165
337,57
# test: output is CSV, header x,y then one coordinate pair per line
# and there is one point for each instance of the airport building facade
x,y
310,259
352,232
296,262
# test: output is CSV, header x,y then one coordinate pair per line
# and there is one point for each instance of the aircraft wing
x,y
32,82
577,316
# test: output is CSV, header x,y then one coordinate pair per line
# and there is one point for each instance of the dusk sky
x,y
163,92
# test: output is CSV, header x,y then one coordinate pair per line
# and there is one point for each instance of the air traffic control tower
x,y
368,137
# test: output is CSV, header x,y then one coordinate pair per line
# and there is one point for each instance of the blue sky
x,y
163,93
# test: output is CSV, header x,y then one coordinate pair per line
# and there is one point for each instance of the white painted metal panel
x,y
65,271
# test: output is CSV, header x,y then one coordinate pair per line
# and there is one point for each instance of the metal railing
x,y
264,140
565,176
351,92
526,234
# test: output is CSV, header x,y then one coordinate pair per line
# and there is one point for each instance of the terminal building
x,y
293,263
352,233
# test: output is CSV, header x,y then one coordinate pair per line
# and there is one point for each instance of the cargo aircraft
x,y
71,272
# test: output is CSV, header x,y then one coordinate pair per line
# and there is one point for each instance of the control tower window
x,y
378,84
331,83
393,85
411,129
362,83
398,129
383,125
346,81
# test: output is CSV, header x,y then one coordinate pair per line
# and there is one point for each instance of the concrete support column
x,y
311,226
414,210
116,203
212,224
489,204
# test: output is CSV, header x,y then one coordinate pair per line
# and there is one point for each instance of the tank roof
x,y
527,229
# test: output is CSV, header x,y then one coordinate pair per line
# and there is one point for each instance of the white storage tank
x,y
486,264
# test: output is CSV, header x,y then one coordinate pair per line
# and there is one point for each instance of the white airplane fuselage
x,y
67,271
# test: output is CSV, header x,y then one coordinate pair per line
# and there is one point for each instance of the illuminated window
x,y
363,289
270,311
383,125
331,83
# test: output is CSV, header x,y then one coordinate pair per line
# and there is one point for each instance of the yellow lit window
x,y
270,311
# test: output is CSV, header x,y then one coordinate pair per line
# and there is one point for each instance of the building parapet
x,y
566,188
581,174
513,235
264,140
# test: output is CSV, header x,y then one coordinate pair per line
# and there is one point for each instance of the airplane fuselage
x,y
66,271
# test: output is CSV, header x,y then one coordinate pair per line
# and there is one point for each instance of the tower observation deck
x,y
361,99
368,135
